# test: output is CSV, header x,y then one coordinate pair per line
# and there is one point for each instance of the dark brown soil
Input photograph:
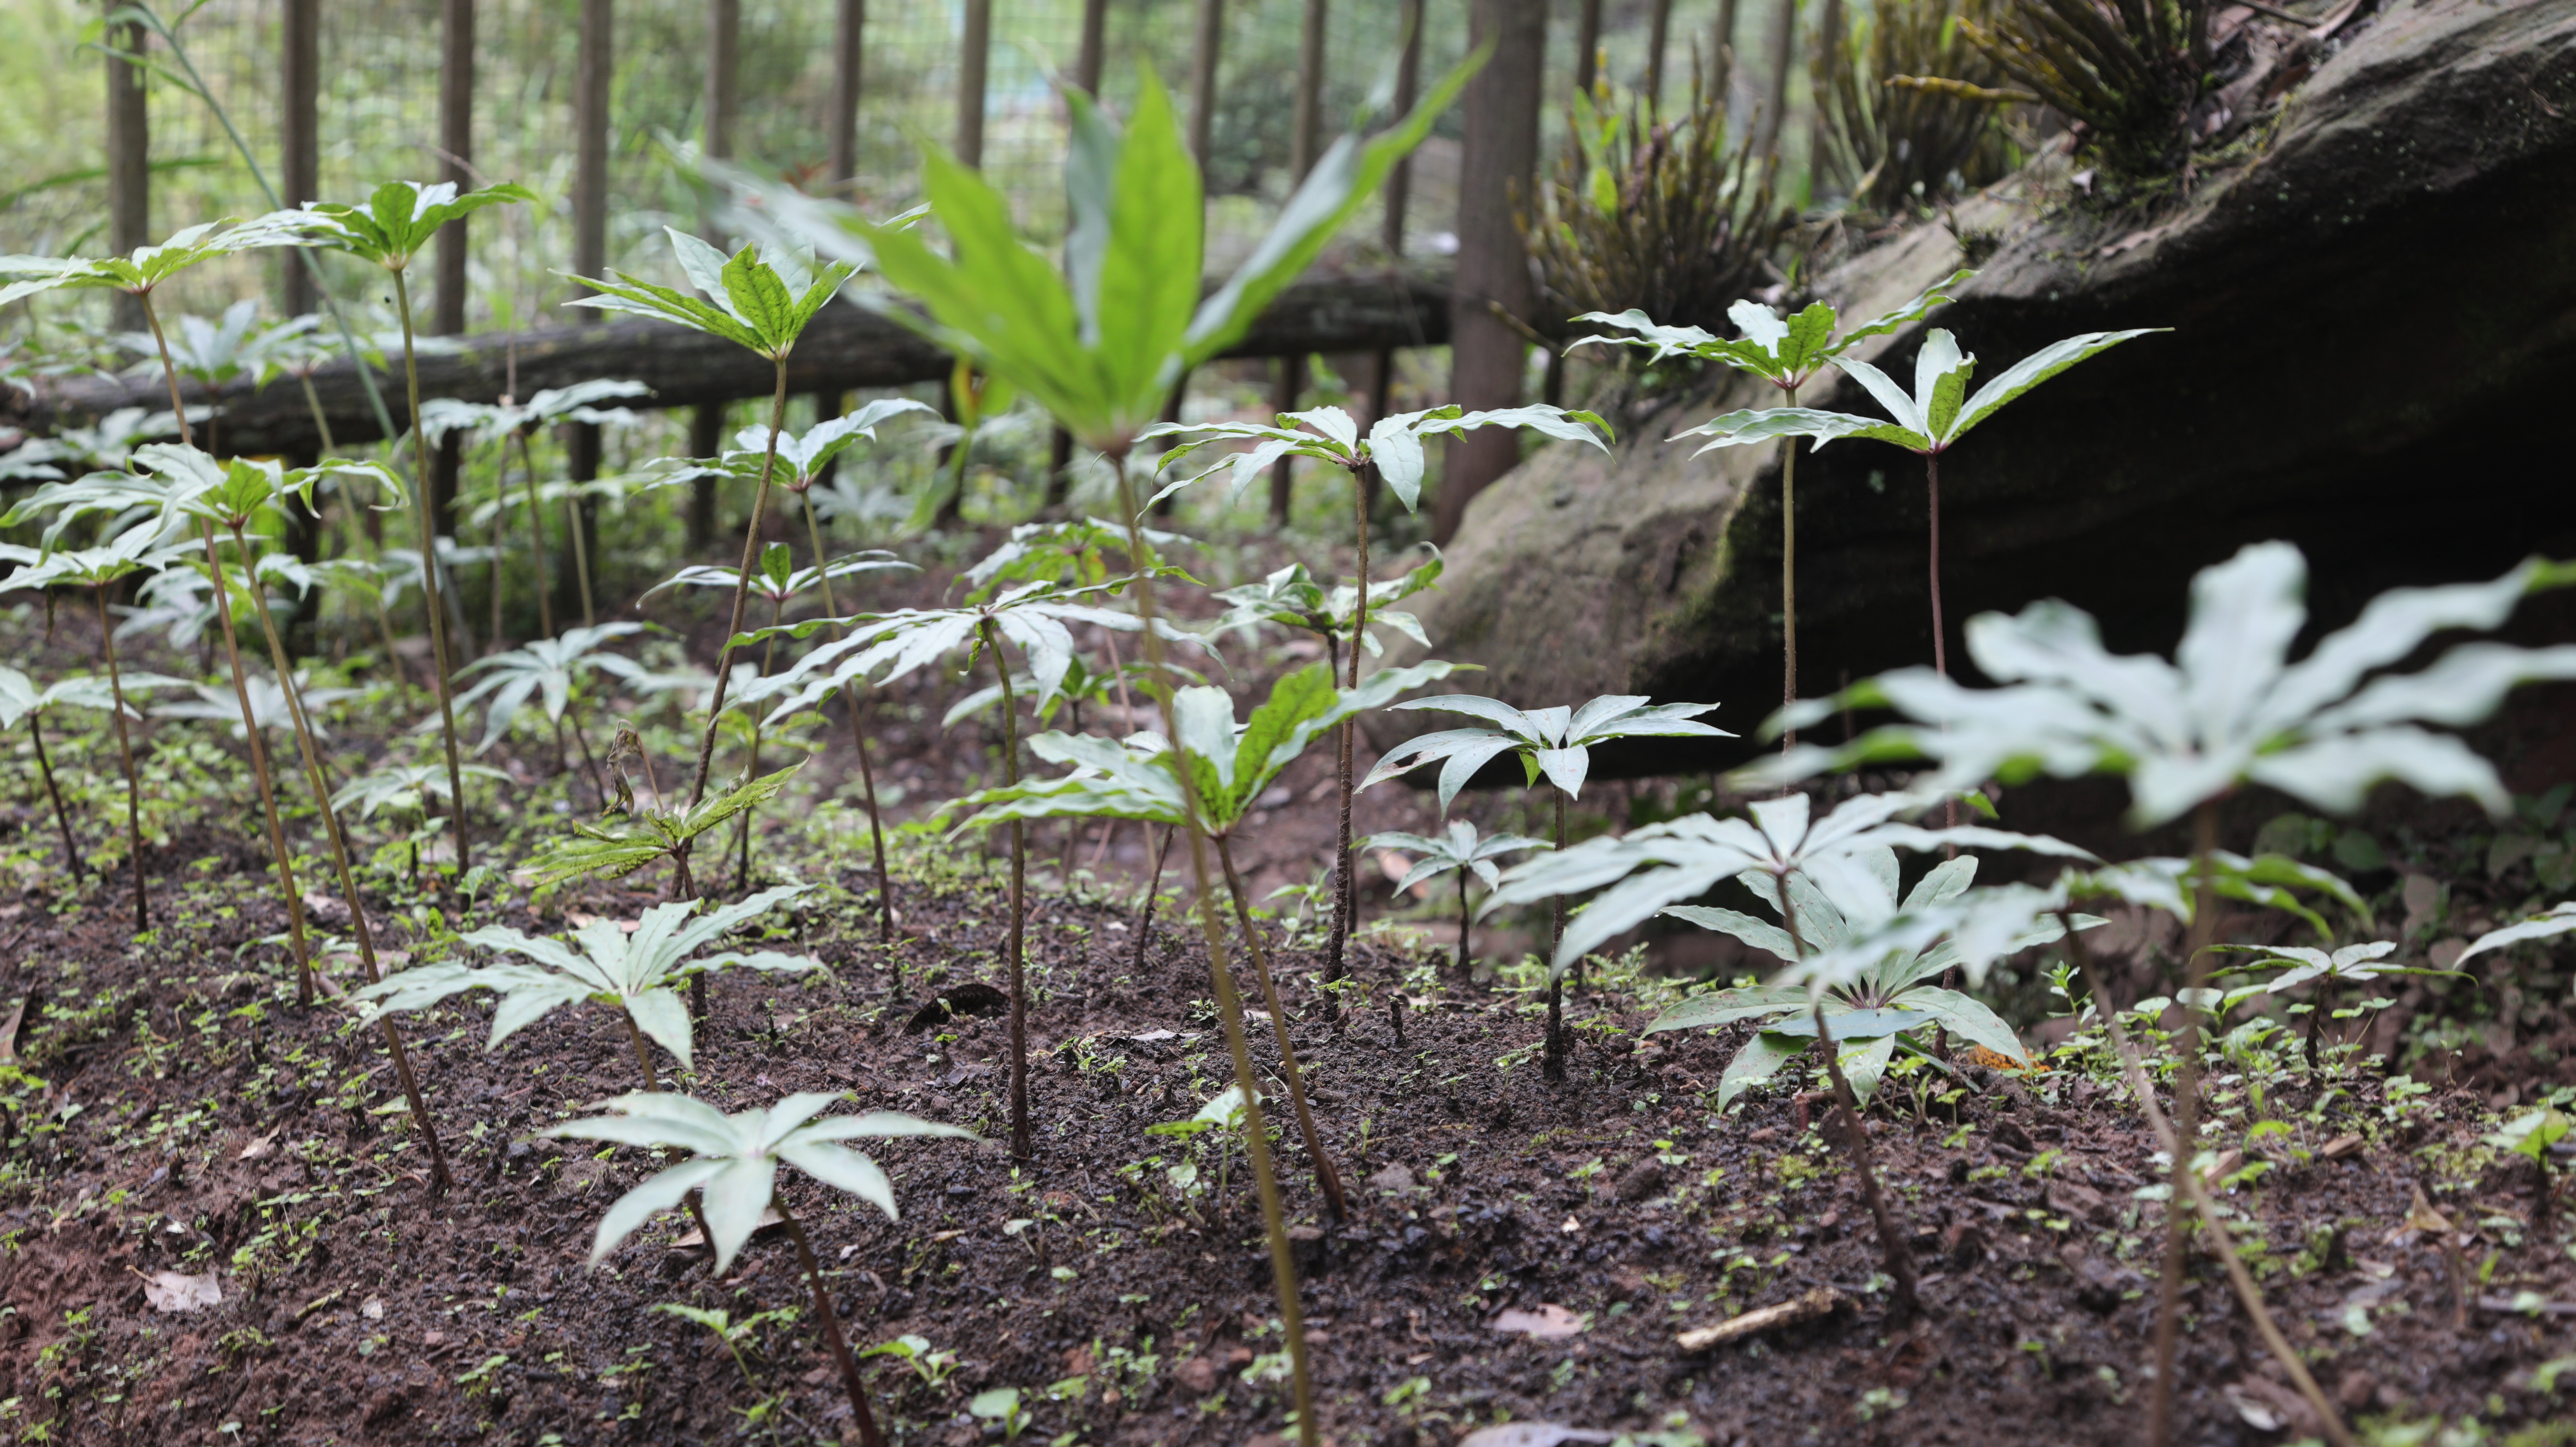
x,y
195,1120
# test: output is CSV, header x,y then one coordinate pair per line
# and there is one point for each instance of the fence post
x,y
299,142
1303,147
594,70
447,304
1088,61
1399,191
974,56
1587,44
1498,164
722,102
129,156
849,38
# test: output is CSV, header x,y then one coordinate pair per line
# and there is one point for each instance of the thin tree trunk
x,y
62,819
125,749
850,1381
1326,1178
1021,1145
859,739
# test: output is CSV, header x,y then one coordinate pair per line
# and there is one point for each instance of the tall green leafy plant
x,y
1101,341
1787,354
2230,710
398,220
1552,742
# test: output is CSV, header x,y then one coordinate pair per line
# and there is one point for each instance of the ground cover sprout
x,y
403,790
1870,1012
645,835
633,970
2351,965
735,1171
549,670
1787,354
1459,849
22,702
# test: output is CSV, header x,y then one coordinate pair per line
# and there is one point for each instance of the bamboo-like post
x,y
129,156
1496,172
849,52
1587,44
1305,143
447,303
974,59
299,141
594,69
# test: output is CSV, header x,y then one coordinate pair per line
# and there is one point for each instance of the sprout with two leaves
x,y
734,1168
2530,1135
1552,742
398,220
403,790
2230,710
2350,965
758,300
1229,766
1643,872
633,970
882,647
1392,452
1871,1011
778,581
1460,849
1927,424
1786,354
1101,337
98,569
21,699
510,421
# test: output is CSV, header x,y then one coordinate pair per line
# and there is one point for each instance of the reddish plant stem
x,y
1327,1178
858,1389
1021,1145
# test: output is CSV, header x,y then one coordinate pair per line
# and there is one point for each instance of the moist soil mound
x,y
178,1113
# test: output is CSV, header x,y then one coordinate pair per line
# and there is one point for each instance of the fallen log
x,y
846,348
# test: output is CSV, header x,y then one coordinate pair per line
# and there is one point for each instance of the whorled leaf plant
x,y
1100,340
508,421
398,220
1221,768
631,968
1787,354
1644,871
1392,452
2230,710
734,1168
1552,742
21,701
1459,849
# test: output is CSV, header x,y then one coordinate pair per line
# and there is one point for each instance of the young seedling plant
x,y
1228,767
509,421
21,701
1787,354
2350,965
1460,849
1664,864
2230,710
403,791
1393,453
631,970
735,1172
551,670
1554,742
1100,341
1928,423
398,220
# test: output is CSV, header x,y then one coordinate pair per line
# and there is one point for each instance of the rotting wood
x,y
843,349
1823,1301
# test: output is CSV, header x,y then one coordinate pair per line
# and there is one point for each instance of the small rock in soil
x,y
1197,1376
1642,1180
1394,1178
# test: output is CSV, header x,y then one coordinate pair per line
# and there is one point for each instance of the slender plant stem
x,y
580,558
440,663
1554,1067
590,761
62,819
1153,887
2247,1293
858,736
1021,1146
321,419
537,538
2186,1123
125,749
868,1434
1466,923
741,587
1891,1240
365,933
1788,584
768,655
1345,881
1256,1137
1327,1178
644,1062
1940,634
